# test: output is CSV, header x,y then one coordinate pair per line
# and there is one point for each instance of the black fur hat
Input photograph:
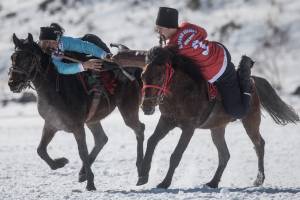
x,y
48,33
167,17
51,32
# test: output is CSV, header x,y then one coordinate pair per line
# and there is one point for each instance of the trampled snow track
x,y
25,176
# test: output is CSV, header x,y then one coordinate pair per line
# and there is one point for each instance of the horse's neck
x,y
182,81
45,79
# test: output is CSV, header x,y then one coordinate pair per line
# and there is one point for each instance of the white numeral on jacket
x,y
199,44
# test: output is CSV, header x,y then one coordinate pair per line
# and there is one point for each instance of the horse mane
x,y
162,55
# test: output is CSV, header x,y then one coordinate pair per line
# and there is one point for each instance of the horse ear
x,y
30,38
16,40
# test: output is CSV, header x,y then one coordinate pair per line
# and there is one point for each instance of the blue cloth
x,y
76,45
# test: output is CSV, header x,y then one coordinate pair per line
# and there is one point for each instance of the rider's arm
x,y
193,41
80,46
67,68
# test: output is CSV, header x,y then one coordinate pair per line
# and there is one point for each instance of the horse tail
x,y
280,112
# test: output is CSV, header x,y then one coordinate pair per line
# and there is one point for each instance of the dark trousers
x,y
235,102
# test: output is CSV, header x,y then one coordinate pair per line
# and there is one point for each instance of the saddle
x,y
101,83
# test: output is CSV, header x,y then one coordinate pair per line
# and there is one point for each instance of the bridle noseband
x,y
35,62
162,90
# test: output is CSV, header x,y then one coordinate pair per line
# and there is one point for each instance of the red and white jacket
x,y
209,56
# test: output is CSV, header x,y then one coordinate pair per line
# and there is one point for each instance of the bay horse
x,y
169,81
67,108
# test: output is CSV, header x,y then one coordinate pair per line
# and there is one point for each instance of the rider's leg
x,y
96,90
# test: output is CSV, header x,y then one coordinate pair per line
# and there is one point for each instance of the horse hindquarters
x,y
280,112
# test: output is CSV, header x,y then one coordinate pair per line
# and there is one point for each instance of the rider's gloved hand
x,y
93,64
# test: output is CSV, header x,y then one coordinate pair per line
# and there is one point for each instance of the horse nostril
x,y
11,83
148,110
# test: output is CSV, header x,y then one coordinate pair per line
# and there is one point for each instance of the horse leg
x,y
218,138
84,156
47,136
176,156
131,119
100,139
163,127
130,113
251,124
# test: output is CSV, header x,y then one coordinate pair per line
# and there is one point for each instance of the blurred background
x,y
268,30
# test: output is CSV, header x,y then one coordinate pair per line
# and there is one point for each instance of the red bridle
x,y
163,90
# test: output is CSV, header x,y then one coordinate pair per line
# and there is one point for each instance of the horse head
x,y
156,77
25,63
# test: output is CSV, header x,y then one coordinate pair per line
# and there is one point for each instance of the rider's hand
x,y
94,64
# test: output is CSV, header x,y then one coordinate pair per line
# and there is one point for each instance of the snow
x,y
23,175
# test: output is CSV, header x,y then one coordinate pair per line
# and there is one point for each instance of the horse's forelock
x,y
37,49
32,47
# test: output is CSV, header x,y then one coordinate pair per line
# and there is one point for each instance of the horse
x,y
170,82
64,105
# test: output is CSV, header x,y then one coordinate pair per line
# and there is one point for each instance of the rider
x,y
212,59
53,42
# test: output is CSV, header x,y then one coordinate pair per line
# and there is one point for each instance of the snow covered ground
x,y
23,175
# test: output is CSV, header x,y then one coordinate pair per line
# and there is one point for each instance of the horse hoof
x,y
142,180
259,180
82,178
163,185
257,183
212,185
59,163
90,187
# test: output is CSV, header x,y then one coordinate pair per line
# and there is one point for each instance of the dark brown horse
x,y
169,80
66,109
